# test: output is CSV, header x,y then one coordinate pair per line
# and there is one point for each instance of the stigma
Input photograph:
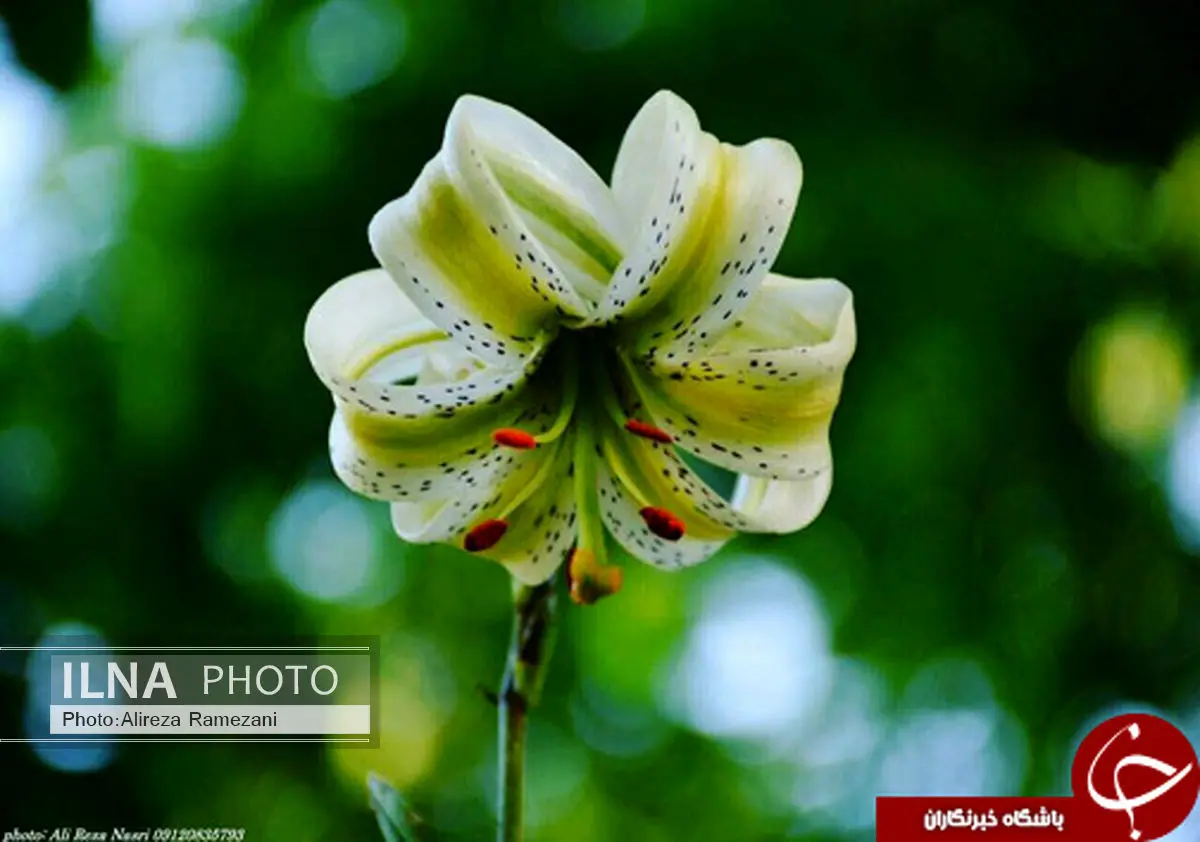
x,y
590,580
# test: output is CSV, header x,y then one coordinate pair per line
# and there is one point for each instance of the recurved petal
x,y
636,473
505,232
533,495
761,401
621,514
414,413
711,219
358,316
665,181
781,506
541,529
389,472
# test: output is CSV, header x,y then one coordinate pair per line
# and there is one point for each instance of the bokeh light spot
x,y
180,93
38,694
119,24
31,132
416,698
324,543
1137,373
835,760
952,738
757,663
351,45
1183,477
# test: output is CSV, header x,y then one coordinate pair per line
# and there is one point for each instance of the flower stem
x,y
534,615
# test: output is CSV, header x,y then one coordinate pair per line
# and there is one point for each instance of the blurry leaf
x,y
391,810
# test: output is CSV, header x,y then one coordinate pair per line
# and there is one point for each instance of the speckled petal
x,y
635,472
393,472
620,513
401,430
446,516
540,530
505,233
662,478
665,181
781,506
761,401
711,219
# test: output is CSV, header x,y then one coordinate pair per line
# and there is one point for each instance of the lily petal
x,y
761,401
384,472
540,529
781,506
505,231
713,218
620,512
634,473
392,441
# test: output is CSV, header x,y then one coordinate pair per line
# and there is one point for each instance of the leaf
x,y
391,810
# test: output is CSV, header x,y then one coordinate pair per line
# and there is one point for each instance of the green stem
x,y
529,651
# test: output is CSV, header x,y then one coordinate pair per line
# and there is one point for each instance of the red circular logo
x,y
1136,774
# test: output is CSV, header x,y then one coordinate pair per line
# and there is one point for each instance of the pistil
x,y
591,577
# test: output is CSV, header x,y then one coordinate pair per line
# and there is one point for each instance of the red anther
x,y
519,439
662,523
648,431
484,536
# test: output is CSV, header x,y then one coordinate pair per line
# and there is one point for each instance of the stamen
x,y
517,439
590,580
544,472
485,535
662,523
612,405
521,440
566,409
488,533
658,520
648,431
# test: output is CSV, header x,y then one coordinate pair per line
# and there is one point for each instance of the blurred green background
x,y
1012,190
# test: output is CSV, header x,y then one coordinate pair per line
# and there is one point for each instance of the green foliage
x,y
391,811
1010,190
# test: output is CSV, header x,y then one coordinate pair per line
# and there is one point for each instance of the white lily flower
x,y
538,348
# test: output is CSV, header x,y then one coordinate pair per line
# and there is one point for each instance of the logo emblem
x,y
1139,765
